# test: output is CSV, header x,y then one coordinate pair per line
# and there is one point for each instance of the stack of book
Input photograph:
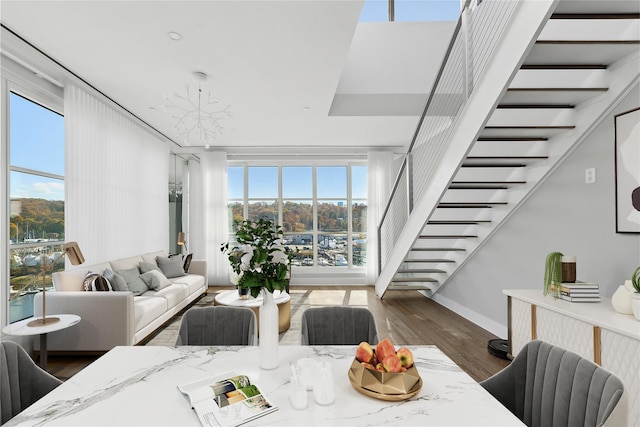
x,y
578,292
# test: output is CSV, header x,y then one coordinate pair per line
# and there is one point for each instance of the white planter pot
x,y
635,304
621,300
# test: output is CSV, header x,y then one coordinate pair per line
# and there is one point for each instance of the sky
x,y
411,10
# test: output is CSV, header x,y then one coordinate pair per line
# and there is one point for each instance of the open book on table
x,y
227,400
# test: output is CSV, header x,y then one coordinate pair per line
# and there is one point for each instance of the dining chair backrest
x,y
546,385
339,325
218,325
22,381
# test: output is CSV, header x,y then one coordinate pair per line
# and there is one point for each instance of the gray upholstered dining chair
x,y
546,385
339,325
218,325
23,382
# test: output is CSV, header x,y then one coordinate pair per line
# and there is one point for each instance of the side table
x,y
21,328
282,299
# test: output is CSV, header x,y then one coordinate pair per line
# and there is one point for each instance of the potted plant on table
x,y
635,302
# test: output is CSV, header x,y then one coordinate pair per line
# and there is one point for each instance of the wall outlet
x,y
590,175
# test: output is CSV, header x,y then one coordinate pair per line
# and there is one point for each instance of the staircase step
x,y
448,236
458,222
420,271
455,205
429,260
395,286
512,139
437,249
484,185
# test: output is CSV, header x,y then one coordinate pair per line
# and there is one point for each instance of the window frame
x,y
315,233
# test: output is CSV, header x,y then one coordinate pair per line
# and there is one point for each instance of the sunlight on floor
x,y
326,297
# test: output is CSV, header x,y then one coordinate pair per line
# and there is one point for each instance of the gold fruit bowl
x,y
386,384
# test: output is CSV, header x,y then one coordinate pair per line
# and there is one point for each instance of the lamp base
x,y
44,322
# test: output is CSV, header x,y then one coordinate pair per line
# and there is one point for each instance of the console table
x,y
282,299
595,331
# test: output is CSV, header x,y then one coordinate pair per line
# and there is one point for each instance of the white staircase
x,y
572,71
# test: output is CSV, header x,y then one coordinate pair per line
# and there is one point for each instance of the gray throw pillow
x,y
134,282
148,266
155,280
117,281
170,267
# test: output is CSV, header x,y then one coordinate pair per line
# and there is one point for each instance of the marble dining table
x,y
138,386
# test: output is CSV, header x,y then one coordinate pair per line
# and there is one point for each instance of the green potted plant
x,y
635,302
553,274
257,258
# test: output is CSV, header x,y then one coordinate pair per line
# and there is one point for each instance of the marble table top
x,y
137,386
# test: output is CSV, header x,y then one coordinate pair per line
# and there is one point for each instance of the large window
x,y
36,187
322,209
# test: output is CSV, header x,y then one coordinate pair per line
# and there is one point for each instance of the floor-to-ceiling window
x,y
36,193
322,208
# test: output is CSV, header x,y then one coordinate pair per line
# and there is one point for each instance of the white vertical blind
x,y
214,167
116,181
380,179
196,210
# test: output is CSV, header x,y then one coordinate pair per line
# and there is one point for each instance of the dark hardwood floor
x,y
405,317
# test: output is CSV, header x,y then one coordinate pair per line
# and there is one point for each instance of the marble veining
x,y
138,386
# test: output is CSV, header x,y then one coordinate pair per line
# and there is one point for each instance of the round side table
x,y
282,299
22,328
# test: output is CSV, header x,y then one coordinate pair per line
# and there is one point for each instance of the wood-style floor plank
x,y
405,317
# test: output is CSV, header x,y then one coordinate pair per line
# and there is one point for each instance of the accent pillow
x,y
96,282
134,282
147,266
170,267
187,263
155,280
118,283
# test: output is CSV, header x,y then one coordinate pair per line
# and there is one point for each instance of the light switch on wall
x,y
590,175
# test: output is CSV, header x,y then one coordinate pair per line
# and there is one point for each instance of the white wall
x,y
565,215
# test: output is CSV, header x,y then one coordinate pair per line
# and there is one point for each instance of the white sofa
x,y
110,319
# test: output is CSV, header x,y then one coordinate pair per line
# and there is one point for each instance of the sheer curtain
x,y
380,181
196,210
116,181
216,221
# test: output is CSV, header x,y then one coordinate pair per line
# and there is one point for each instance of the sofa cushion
x,y
117,281
151,256
173,294
155,280
148,266
147,309
134,282
195,282
126,263
171,267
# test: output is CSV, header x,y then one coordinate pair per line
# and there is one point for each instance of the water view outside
x,y
36,218
318,229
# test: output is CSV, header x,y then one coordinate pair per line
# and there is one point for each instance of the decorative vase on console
x,y
622,298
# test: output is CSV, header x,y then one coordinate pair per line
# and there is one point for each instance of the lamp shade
x,y
74,253
182,238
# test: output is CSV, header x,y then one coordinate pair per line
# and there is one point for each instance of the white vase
x,y
268,331
621,300
635,305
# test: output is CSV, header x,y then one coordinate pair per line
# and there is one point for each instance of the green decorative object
x,y
553,274
635,279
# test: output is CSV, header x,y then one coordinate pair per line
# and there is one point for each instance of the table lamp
x,y
72,250
182,240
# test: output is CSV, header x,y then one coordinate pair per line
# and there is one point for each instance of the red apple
x,y
364,352
385,349
392,364
405,356
379,367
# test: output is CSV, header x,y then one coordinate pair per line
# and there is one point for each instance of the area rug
x,y
301,299
167,335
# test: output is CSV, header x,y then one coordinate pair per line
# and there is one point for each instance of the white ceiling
x,y
364,84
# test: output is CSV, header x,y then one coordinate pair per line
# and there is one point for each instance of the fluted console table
x,y
595,331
